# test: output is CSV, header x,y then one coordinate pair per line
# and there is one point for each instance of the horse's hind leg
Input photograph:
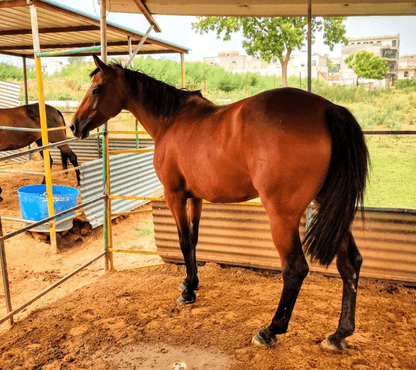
x,y
188,238
349,262
294,270
67,153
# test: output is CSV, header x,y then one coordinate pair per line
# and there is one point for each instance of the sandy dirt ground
x,y
128,319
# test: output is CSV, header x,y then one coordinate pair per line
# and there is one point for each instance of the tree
x,y
367,65
273,37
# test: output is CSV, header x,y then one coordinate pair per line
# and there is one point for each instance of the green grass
x,y
393,172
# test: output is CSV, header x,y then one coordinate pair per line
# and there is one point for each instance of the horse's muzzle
x,y
78,132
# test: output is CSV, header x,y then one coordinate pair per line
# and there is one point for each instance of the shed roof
x,y
62,28
269,8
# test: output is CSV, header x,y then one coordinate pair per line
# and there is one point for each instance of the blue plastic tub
x,y
34,204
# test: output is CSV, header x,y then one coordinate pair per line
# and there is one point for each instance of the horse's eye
x,y
96,91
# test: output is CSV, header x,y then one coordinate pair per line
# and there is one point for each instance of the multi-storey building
x,y
407,66
383,46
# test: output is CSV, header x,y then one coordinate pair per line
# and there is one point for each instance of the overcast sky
x,y
178,30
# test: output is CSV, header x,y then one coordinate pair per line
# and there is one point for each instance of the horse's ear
x,y
100,64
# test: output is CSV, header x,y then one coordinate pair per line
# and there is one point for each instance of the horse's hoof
x,y
328,346
182,300
259,341
182,287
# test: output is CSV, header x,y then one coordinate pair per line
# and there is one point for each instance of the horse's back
x,y
28,116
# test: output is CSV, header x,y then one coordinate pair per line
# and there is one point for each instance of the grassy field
x,y
393,173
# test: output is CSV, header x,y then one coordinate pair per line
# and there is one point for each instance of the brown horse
x,y
286,146
27,116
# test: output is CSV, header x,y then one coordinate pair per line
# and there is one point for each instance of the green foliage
x,y
405,83
11,73
367,65
76,74
267,37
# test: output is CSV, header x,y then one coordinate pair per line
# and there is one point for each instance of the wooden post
x,y
183,70
43,123
5,275
25,78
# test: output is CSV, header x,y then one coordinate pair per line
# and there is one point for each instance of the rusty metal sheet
x,y
240,235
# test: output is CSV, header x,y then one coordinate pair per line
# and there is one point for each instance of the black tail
x,y
344,186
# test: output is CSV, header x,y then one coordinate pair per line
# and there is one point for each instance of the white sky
x,y
177,29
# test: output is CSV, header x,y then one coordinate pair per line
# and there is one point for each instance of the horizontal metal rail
x,y
67,52
57,215
129,132
131,251
134,198
25,129
131,212
60,172
47,290
389,132
131,151
39,149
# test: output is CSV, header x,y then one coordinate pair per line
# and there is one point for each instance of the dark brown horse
x,y
27,116
286,146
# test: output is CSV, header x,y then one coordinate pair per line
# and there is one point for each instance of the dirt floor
x,y
128,319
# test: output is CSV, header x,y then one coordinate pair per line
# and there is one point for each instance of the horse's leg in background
x,y
0,194
39,143
194,211
177,204
67,153
349,261
285,234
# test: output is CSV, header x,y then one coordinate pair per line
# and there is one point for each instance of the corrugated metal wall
x,y
9,98
9,95
91,149
240,235
131,174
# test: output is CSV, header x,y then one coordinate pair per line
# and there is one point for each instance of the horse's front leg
x,y
188,237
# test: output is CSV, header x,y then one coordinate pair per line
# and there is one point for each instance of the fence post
x,y
5,275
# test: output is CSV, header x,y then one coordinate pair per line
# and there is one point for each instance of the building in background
x,y
232,61
407,66
383,46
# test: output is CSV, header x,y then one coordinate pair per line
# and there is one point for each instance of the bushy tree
x,y
367,65
267,37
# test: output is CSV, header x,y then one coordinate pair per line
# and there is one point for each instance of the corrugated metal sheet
x,y
9,98
90,149
131,174
9,95
62,27
240,235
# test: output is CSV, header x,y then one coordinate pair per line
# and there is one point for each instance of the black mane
x,y
160,98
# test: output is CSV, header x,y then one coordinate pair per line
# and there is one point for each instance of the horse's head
x,y
102,101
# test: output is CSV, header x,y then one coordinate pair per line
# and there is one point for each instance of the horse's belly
x,y
224,185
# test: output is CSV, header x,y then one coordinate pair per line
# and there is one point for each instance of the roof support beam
x,y
131,57
59,46
50,30
147,14
13,3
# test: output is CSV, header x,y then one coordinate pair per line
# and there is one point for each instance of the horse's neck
x,y
150,122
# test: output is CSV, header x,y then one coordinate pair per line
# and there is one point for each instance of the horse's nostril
x,y
72,127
